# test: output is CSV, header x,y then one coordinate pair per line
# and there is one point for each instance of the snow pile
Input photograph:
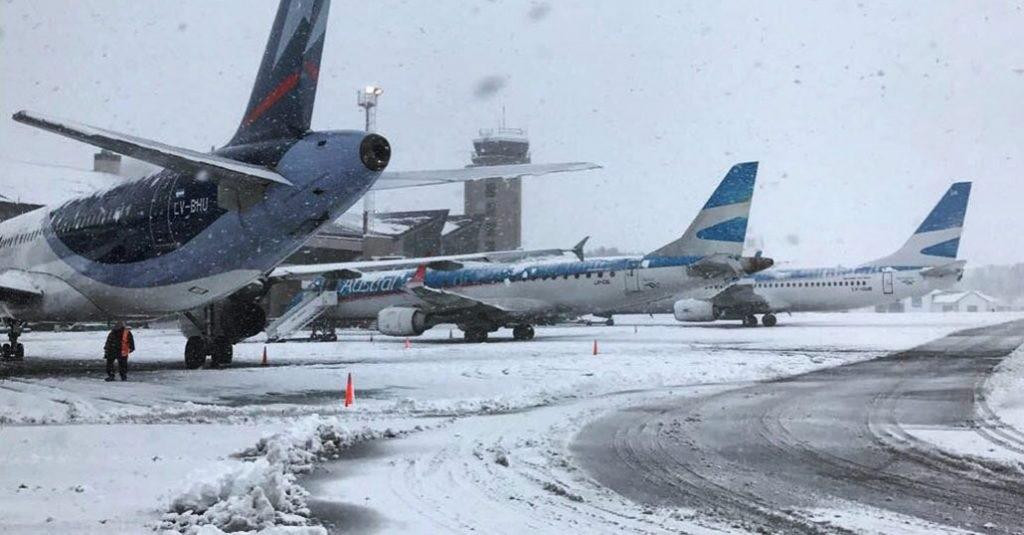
x,y
1004,390
260,494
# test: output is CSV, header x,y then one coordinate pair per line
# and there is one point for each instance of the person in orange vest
x,y
120,344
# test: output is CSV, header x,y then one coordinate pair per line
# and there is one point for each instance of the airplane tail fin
x,y
937,240
281,104
721,226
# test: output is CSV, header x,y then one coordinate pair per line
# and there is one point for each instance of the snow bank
x,y
260,495
1004,390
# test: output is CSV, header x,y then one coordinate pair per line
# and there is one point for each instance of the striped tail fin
x,y
937,241
281,104
721,226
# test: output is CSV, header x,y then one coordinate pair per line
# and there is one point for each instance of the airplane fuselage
x,y
534,293
833,289
164,244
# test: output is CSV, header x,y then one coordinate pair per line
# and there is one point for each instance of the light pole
x,y
367,99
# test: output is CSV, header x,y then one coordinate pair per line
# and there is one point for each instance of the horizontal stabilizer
x,y
415,179
176,158
945,270
17,285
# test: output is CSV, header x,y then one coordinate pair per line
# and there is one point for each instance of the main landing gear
x,y
197,348
478,334
522,332
13,349
213,330
475,335
768,320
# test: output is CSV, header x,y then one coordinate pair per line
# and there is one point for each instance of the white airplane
x,y
481,298
197,237
926,262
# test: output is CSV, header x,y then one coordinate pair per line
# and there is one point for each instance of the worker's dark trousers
x,y
122,367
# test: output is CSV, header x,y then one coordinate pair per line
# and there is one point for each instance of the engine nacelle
x,y
693,310
401,321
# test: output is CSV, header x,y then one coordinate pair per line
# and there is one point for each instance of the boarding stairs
x,y
310,308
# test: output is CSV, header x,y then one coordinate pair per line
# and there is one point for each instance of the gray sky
x,y
861,115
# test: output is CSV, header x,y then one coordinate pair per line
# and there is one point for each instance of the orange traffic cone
x,y
350,392
264,361
595,347
408,344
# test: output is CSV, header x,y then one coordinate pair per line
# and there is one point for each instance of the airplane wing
x,y
445,263
17,285
953,268
447,301
740,293
177,158
415,179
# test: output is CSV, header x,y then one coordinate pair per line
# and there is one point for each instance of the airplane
x,y
197,237
926,262
482,298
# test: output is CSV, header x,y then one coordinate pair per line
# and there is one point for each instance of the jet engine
x,y
693,310
401,321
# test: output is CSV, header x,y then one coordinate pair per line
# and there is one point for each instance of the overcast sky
x,y
861,115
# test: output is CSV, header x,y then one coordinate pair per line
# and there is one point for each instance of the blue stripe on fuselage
x,y
772,275
381,283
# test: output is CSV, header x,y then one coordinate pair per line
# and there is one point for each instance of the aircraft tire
x,y
610,322
750,321
769,320
5,351
195,352
476,336
522,332
19,351
221,352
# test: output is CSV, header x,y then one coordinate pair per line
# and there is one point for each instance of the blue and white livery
x,y
481,298
196,237
926,262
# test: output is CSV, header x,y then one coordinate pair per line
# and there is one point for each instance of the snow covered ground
x,y
484,427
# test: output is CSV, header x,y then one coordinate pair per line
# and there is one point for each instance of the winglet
x,y
578,248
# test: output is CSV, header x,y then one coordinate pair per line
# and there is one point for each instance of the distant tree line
x,y
1005,283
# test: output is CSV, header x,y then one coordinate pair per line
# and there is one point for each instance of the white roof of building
x,y
33,183
948,298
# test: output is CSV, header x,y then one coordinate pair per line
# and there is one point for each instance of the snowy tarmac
x,y
445,436
792,455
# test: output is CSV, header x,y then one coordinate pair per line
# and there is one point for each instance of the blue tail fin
x,y
281,104
937,240
721,226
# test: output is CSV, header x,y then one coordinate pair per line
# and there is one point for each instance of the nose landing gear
x,y
13,350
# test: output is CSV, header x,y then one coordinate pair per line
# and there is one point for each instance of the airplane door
x,y
160,215
887,282
632,279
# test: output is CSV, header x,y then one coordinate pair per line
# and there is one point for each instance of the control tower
x,y
498,202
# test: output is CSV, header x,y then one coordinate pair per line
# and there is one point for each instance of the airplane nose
x,y
375,152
